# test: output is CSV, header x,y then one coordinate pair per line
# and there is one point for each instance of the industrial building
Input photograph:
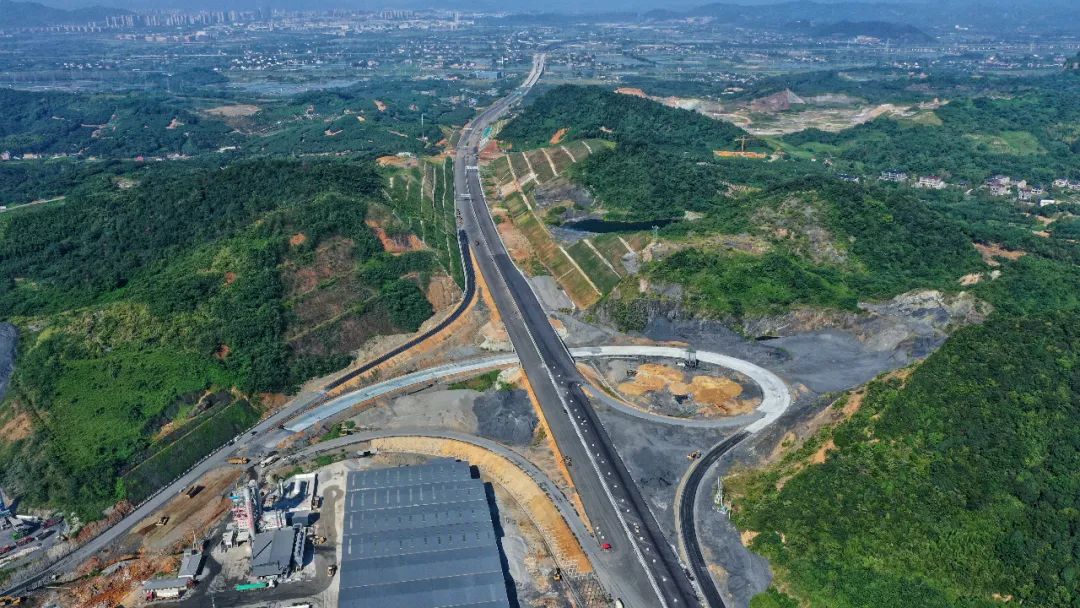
x,y
274,554
420,537
191,564
165,588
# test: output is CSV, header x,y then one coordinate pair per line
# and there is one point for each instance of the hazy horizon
x,y
556,6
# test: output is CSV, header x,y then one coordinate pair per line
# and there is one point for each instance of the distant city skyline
x,y
524,6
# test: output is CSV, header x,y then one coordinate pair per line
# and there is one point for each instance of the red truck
x,y
6,549
26,540
52,521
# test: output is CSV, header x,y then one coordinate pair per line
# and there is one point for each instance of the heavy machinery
x,y
694,455
238,460
331,570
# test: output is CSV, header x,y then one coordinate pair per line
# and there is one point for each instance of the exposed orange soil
x,y
631,91
853,404
332,258
394,160
823,452
557,138
222,352
720,393
442,292
992,251
396,244
92,529
298,239
272,402
187,515
118,588
17,428
234,111
971,279
230,278
650,378
174,124
739,154
517,244
491,151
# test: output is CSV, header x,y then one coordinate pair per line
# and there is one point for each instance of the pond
x,y
605,226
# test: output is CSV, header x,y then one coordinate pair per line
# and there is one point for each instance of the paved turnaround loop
x,y
651,573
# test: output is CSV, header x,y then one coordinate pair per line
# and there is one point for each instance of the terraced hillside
x,y
420,205
588,268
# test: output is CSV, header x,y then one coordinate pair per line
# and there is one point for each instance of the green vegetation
x,y
105,125
149,312
484,382
739,284
172,460
406,304
977,138
841,243
943,490
592,112
422,202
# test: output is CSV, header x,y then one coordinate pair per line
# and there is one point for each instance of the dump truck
x,y
251,586
238,460
193,490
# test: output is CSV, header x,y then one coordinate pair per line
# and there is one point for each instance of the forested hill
x,y
113,126
592,112
157,305
954,487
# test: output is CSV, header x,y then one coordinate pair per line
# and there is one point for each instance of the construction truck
x,y
331,570
238,460
694,455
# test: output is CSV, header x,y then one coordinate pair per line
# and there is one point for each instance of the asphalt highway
x,y
651,575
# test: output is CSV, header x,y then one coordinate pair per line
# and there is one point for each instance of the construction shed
x,y
420,537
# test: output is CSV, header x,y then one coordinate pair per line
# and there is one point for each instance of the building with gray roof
x,y
191,564
420,537
273,554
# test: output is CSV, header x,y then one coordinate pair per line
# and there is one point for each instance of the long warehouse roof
x,y
420,537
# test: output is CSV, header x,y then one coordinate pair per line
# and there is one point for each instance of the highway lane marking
x,y
558,392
